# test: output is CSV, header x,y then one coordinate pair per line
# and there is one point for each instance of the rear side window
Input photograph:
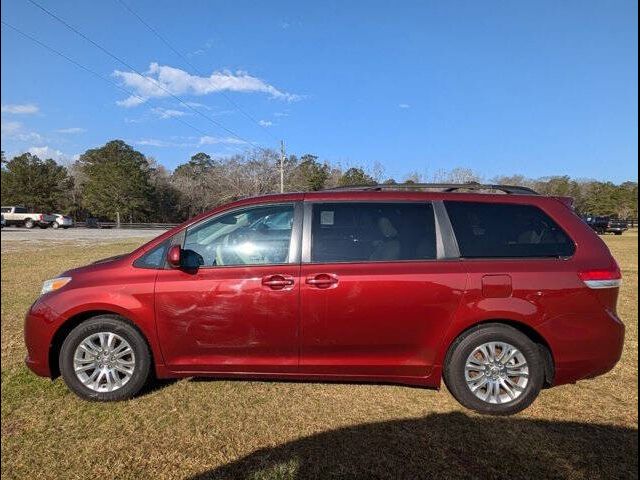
x,y
364,232
489,230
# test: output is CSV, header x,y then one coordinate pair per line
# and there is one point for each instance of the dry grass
x,y
225,429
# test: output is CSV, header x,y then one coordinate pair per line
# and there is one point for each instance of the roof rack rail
x,y
444,187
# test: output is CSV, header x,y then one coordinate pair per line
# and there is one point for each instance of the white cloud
x,y
133,120
265,123
132,101
47,152
10,128
16,131
20,109
167,112
155,142
71,130
404,105
162,81
207,140
197,104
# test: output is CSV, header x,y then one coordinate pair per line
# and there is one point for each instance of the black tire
x,y
106,323
55,225
454,371
29,223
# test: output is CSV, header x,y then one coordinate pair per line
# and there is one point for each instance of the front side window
x,y
490,230
154,258
251,236
370,232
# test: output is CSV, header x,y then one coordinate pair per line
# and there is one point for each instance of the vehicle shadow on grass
x,y
451,445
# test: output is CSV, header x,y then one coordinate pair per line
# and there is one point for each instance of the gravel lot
x,y
20,238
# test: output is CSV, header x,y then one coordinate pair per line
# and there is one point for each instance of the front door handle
x,y
322,280
277,282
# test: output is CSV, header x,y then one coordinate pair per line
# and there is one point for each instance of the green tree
x,y
195,181
40,184
313,174
354,177
116,180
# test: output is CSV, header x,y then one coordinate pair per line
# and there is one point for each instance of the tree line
x,y
116,180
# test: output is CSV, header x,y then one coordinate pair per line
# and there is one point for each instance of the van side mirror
x,y
174,255
185,259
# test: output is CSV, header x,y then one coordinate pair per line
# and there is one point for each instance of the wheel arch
x,y
536,337
72,322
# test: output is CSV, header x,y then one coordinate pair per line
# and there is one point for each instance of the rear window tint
x,y
370,232
490,230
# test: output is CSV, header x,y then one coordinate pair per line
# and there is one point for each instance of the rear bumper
x,y
38,334
584,347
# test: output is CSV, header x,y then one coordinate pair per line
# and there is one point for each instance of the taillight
x,y
41,217
610,278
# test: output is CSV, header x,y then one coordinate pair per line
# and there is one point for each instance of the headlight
x,y
54,284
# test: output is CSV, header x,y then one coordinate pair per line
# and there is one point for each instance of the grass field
x,y
276,430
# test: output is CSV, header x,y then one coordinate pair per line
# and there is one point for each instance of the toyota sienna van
x,y
495,290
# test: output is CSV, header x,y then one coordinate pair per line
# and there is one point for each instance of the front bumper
x,y
39,328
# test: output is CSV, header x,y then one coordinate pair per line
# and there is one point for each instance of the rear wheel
x,y
105,359
494,369
55,225
29,223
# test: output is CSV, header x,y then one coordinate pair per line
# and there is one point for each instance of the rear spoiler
x,y
566,201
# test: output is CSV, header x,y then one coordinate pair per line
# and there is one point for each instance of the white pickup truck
x,y
21,216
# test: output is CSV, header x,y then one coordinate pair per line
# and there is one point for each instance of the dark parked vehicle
x,y
499,295
604,225
617,227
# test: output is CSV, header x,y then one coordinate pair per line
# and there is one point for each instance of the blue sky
x,y
537,88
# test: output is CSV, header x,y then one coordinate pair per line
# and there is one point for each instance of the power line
x,y
157,84
184,58
92,72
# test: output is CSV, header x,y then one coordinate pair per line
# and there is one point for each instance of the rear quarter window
x,y
500,230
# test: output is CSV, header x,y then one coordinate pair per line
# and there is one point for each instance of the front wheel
x,y
494,369
105,359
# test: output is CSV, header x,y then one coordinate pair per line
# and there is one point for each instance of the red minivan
x,y
495,289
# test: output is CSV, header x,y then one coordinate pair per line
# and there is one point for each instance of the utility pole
x,y
282,156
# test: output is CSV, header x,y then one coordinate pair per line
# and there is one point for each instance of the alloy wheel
x,y
104,362
496,372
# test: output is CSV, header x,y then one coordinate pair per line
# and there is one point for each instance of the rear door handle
x,y
322,280
277,282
